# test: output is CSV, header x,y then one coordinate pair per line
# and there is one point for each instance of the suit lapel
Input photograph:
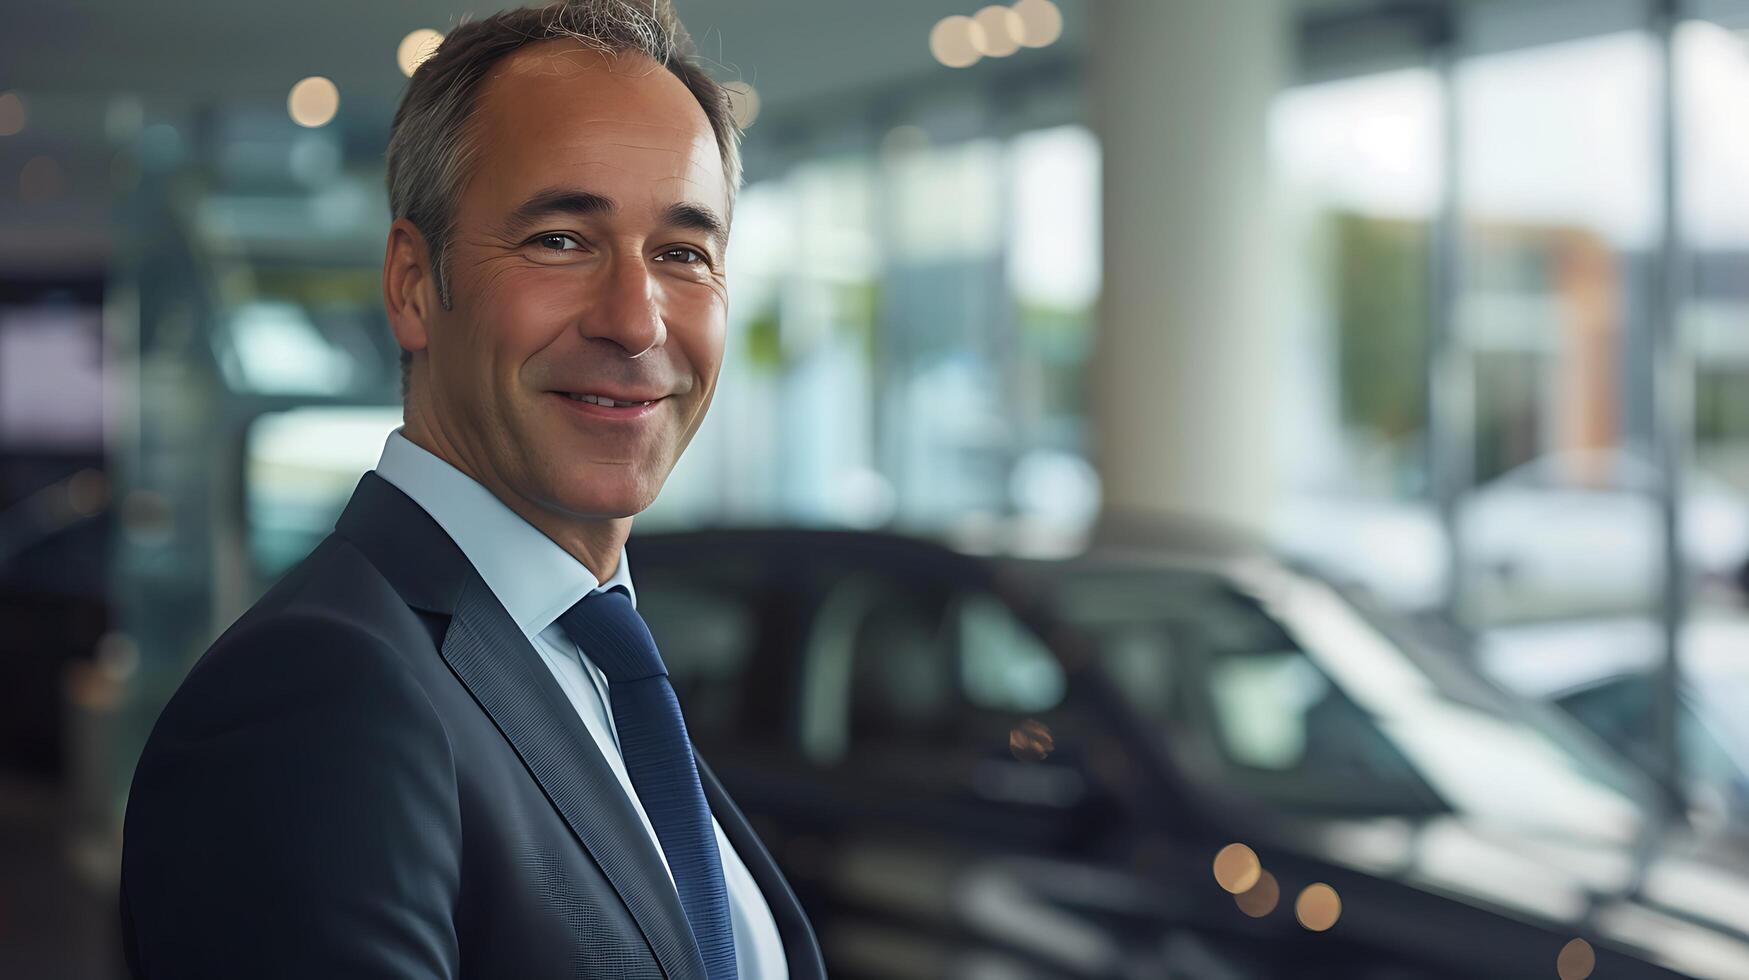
x,y
496,663
800,948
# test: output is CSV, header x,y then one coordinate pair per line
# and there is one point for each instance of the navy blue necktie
x,y
658,757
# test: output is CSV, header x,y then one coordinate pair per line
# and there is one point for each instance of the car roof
x,y
1151,543
1556,659
1123,534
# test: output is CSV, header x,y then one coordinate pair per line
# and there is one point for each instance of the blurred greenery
x,y
1382,316
765,341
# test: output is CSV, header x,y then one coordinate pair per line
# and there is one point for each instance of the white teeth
x,y
601,400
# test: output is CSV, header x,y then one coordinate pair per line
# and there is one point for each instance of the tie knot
x,y
609,631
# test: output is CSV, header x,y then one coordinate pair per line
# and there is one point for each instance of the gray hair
x,y
431,144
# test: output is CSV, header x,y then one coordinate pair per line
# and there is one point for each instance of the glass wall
x,y
1712,84
1359,160
1559,175
909,327
1585,324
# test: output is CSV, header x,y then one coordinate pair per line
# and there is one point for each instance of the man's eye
x,y
682,254
558,243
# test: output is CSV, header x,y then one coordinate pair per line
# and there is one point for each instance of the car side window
x,y
1003,665
892,668
1235,700
1279,727
1274,725
1620,712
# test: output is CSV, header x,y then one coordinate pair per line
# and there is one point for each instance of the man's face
x,y
586,263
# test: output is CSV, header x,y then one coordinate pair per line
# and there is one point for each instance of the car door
x,y
913,755
950,795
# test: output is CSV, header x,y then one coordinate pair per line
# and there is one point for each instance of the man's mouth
x,y
604,400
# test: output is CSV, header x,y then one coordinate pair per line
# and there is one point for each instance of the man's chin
x,y
597,499
602,510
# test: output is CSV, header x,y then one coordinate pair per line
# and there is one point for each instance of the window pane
x,y
1003,666
1559,177
1313,706
1712,88
1360,167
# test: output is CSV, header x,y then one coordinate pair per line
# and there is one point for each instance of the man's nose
x,y
626,308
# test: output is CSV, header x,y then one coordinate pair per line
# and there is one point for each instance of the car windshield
x,y
1275,685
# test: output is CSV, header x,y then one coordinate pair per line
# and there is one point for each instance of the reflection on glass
x,y
1260,899
1576,961
1283,690
907,340
1237,868
1360,169
1318,907
1558,169
1712,65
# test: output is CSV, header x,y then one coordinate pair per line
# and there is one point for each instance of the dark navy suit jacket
x,y
372,774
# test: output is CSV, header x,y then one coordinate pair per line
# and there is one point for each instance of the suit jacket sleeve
x,y
294,815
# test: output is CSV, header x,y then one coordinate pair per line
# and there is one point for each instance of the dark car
x,y
996,767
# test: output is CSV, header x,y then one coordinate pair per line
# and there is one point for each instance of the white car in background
x,y
1603,672
1566,536
1581,533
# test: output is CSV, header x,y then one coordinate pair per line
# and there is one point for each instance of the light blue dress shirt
x,y
536,580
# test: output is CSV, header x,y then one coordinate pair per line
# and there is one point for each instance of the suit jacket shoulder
x,y
299,775
299,807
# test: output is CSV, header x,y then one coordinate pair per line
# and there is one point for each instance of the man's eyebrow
x,y
551,202
586,204
697,217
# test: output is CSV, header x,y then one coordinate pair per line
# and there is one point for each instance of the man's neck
x,y
595,542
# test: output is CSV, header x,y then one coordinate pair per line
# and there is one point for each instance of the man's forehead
x,y
565,73
557,109
562,57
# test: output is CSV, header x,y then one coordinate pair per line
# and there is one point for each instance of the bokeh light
x,y
743,103
1237,868
313,102
1040,22
415,48
903,140
956,40
1031,741
1576,961
1318,907
1001,28
1260,899
12,113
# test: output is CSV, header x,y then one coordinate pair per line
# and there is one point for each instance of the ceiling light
x,y
1002,28
415,48
1041,22
743,103
955,41
313,102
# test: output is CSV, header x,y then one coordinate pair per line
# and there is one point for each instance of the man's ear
x,y
409,291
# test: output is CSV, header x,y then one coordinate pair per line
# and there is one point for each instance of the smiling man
x,y
445,745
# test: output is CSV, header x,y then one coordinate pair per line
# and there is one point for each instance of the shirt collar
x,y
534,578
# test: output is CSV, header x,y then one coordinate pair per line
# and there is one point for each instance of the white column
x,y
1184,369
